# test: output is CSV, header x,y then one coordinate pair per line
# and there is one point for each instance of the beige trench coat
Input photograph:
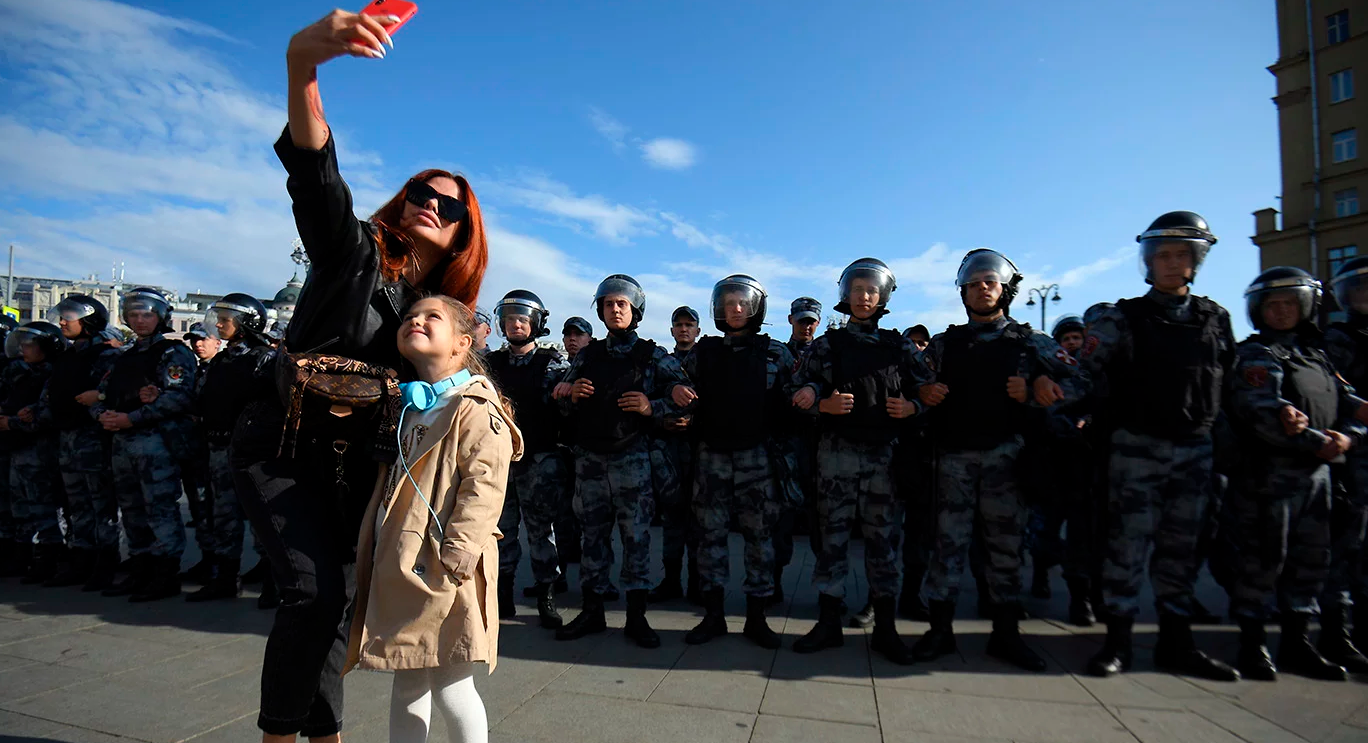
x,y
424,600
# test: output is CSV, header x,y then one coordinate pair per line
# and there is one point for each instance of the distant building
x,y
1324,175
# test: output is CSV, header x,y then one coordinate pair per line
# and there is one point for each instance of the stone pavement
x,y
77,667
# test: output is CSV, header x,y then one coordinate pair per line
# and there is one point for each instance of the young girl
x,y
428,559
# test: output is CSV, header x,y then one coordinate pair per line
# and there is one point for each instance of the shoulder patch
x,y
175,373
1256,375
1065,358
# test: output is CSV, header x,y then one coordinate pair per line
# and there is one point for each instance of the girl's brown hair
x,y
461,272
464,322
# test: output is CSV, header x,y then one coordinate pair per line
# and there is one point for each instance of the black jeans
x,y
307,512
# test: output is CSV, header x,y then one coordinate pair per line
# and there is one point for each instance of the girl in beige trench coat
x,y
428,558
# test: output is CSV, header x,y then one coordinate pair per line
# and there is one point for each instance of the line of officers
x,y
98,434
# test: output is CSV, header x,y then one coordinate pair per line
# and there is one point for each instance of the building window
x,y
1338,256
1346,202
1341,86
1344,145
185,325
1337,27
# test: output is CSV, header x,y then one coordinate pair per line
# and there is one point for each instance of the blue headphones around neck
x,y
422,396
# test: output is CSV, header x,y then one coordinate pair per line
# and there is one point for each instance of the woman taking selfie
x,y
305,491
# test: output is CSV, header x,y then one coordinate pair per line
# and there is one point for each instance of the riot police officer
x,y
804,314
528,374
575,335
742,385
613,390
983,376
10,562
1294,416
195,468
238,373
33,459
482,330
861,374
684,328
672,470
149,440
1162,359
83,446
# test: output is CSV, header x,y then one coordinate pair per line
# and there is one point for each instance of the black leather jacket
x,y
346,307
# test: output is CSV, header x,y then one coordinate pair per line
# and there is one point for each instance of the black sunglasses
x,y
449,208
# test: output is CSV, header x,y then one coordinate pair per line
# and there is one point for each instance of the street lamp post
x,y
1042,292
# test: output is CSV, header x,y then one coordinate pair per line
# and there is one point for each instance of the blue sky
x,y
677,142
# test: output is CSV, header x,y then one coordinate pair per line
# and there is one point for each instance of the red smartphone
x,y
403,10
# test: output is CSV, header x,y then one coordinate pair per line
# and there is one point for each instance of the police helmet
x,y
686,311
89,311
1068,324
48,337
1279,280
523,303
1351,286
806,308
620,284
984,264
243,310
7,324
869,269
1184,228
746,290
197,332
577,325
482,317
146,299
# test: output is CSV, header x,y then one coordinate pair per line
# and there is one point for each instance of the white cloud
x,y
612,130
668,153
615,222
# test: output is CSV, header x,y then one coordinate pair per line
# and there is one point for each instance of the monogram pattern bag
x,y
346,387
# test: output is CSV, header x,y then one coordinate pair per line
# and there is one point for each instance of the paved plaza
x,y
78,667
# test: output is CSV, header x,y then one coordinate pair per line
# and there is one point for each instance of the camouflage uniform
x,y
34,489
674,451
146,477
854,472
800,454
8,529
1282,504
1160,480
613,484
1346,346
734,477
978,432
536,482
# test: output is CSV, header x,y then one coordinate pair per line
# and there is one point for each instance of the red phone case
x,y
404,10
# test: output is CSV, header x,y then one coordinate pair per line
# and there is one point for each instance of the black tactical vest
x,y
600,425
1171,386
872,373
1308,383
735,409
978,414
230,384
27,388
538,419
135,368
72,374
1357,373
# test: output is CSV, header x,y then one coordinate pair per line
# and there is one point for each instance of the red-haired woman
x,y
307,507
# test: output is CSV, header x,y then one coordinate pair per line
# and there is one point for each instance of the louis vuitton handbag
x,y
316,385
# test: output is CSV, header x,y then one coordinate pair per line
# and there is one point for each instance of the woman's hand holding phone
x,y
341,33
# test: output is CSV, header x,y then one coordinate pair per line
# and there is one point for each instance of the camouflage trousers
x,y
1348,523
221,530
34,496
1157,498
147,485
8,530
740,484
83,454
615,488
978,486
678,528
855,475
535,487
1282,518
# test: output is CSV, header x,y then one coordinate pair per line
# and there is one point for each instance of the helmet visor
x,y
734,304
872,282
985,266
1352,291
70,311
223,323
1304,297
17,339
614,287
505,312
1152,246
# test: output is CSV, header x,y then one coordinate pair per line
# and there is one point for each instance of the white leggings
x,y
454,689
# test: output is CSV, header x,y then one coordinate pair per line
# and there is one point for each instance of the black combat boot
x,y
163,581
864,618
637,628
940,639
884,640
1040,579
589,621
776,598
757,630
270,594
714,622
74,571
507,608
258,573
11,559
1117,651
693,591
201,572
546,607
101,576
910,604
1006,644
139,569
1335,643
44,563
1203,615
985,597
827,633
1254,662
672,587
224,584
1176,652
1297,654
1080,603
